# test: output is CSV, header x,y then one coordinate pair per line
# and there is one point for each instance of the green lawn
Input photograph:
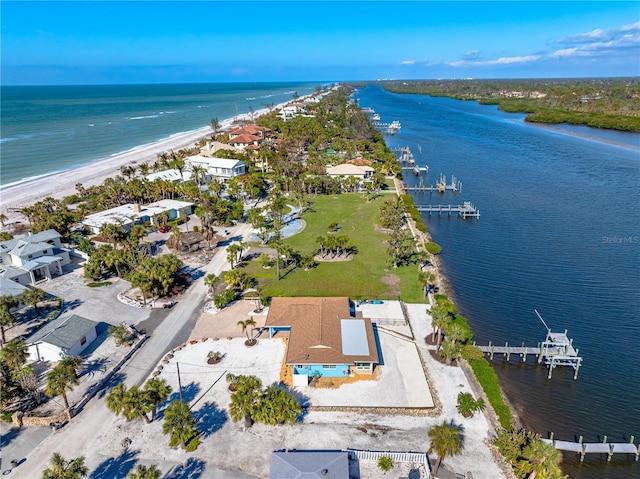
x,y
367,275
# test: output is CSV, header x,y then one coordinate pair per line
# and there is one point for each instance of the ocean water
x,y
52,128
559,232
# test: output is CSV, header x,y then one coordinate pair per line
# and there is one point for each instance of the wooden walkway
x,y
604,447
466,210
556,350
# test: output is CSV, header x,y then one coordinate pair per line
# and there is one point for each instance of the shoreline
x,y
62,183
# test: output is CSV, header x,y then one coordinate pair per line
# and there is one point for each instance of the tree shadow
x,y
189,393
116,466
8,436
107,385
210,418
70,305
192,469
94,366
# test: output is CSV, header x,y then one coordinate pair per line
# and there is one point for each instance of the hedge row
x,y
488,378
410,205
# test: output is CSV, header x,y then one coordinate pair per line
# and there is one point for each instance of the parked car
x,y
164,229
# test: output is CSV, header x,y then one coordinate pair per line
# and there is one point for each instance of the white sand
x,y
61,184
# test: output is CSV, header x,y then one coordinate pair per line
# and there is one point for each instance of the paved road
x,y
81,435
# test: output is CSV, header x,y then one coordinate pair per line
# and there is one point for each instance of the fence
x,y
420,458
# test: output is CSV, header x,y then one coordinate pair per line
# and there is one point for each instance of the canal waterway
x,y
559,232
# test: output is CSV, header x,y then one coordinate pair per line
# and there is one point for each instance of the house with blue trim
x,y
324,338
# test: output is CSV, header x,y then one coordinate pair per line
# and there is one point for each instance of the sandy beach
x,y
63,183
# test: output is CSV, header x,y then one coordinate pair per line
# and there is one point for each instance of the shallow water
x,y
559,232
53,128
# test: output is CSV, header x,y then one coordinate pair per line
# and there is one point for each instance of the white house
x,y
133,213
61,337
347,169
32,258
218,168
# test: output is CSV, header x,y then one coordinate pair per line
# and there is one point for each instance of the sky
x,y
48,43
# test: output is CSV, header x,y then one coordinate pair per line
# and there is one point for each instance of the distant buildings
x,y
32,258
132,213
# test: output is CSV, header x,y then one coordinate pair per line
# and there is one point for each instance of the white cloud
x,y
601,35
498,61
407,62
473,55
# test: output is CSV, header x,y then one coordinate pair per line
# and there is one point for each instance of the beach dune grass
x,y
367,274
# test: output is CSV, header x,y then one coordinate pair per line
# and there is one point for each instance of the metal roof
x,y
354,337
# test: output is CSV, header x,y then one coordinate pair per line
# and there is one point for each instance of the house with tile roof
x,y
325,338
61,337
245,141
32,258
253,130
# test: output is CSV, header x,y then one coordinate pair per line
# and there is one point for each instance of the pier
x,y
556,350
441,186
604,447
466,210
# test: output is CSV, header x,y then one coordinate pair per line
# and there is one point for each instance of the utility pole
x,y
179,382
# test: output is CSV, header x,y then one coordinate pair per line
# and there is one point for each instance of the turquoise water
x,y
52,128
559,232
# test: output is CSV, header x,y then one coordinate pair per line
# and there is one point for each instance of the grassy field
x,y
367,275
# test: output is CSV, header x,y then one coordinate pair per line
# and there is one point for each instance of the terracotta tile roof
x,y
244,139
316,330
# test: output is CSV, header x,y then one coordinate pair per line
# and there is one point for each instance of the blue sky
x,y
165,42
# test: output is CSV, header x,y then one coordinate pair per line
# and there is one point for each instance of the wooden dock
x,y
466,210
556,350
604,447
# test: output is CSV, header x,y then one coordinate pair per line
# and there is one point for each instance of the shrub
x,y
488,378
433,248
469,352
385,463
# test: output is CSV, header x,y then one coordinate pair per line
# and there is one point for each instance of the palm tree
x,y
277,406
214,123
456,332
120,334
60,468
144,472
7,318
198,173
157,391
439,320
449,350
136,404
115,398
180,424
467,405
425,278
544,460
247,326
210,281
70,365
15,354
245,399
61,380
446,440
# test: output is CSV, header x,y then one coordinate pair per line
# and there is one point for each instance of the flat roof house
x,y
32,258
61,337
324,338
132,213
219,168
